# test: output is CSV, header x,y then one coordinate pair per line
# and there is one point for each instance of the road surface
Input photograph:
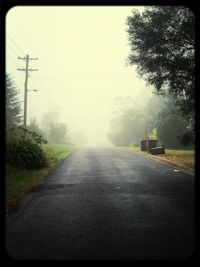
x,y
105,204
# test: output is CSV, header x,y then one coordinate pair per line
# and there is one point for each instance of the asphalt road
x,y
105,204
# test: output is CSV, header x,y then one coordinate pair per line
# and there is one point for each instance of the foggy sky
x,y
81,53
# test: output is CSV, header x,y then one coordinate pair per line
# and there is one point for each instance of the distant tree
x,y
48,118
134,126
58,133
13,110
162,41
128,128
115,133
159,119
34,127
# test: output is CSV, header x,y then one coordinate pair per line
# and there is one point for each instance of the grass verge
x,y
19,181
185,158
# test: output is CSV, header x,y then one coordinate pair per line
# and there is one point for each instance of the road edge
x,y
166,161
13,206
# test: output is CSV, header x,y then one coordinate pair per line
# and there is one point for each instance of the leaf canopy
x,y
162,41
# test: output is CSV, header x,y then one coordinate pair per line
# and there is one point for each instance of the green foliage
x,y
154,105
37,138
34,127
57,133
49,118
19,181
25,154
170,125
23,149
159,119
20,132
162,41
187,138
13,111
128,128
14,133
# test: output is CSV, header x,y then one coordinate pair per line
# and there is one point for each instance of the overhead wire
x,y
13,50
10,59
17,46
100,77
105,77
70,90
13,61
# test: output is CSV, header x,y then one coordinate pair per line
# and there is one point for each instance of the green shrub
x,y
25,154
18,133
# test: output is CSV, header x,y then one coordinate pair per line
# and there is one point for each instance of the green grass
x,y
57,152
174,152
20,181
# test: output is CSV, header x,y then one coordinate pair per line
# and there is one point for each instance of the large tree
x,y
162,40
170,125
13,110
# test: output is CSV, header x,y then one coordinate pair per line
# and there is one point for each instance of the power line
x,y
100,77
73,91
54,84
10,55
61,86
14,51
13,62
21,51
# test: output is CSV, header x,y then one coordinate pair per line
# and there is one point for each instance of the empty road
x,y
105,204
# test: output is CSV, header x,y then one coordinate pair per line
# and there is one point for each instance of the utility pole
x,y
27,59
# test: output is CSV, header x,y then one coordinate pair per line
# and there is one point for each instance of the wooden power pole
x,y
27,59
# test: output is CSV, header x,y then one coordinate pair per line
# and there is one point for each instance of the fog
x,y
81,64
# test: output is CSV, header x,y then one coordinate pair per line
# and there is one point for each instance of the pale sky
x,y
81,53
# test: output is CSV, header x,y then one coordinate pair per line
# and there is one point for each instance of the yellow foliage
x,y
153,134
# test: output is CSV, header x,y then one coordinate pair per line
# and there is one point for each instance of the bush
x,y
17,133
25,154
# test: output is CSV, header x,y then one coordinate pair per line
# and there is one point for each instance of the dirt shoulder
x,y
183,160
171,160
